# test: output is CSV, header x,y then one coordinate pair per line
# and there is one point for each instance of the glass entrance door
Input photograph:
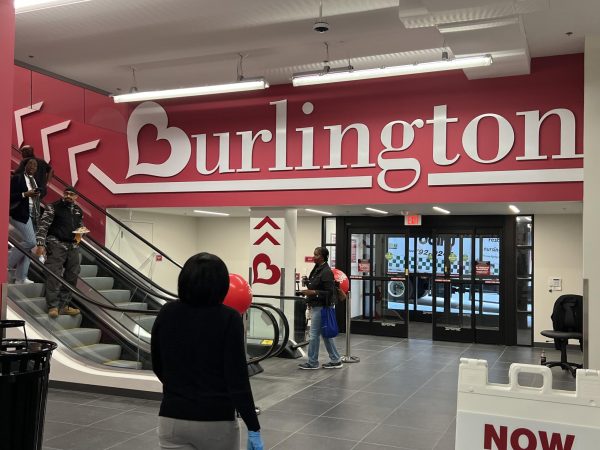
x,y
453,287
379,287
487,286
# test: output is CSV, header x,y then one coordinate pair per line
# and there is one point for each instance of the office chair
x,y
567,321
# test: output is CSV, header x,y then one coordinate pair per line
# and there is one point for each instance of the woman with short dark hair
x,y
199,356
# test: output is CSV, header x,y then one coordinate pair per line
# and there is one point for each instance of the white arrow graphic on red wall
x,y
72,151
45,132
19,114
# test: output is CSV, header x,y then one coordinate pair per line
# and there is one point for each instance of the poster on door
x,y
364,265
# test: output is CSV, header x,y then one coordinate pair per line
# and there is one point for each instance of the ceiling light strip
x,y
316,211
378,211
24,6
339,76
442,210
212,213
238,86
514,209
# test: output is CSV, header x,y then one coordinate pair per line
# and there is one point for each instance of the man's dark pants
x,y
61,256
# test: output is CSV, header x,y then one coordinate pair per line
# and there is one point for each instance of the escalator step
x,y
62,322
146,322
117,295
124,364
17,291
78,337
100,352
34,306
100,283
134,305
88,270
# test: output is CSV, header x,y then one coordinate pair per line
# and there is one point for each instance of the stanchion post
x,y
348,358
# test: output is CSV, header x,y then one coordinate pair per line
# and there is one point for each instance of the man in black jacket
x,y
57,237
24,211
320,293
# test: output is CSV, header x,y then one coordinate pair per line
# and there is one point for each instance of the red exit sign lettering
x,y
412,220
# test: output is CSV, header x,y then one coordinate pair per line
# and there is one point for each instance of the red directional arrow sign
x,y
266,220
265,236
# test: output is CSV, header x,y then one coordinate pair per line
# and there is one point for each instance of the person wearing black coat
x,y
198,354
320,293
24,212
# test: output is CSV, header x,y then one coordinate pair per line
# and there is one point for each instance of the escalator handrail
x,y
165,295
75,292
286,327
275,343
117,221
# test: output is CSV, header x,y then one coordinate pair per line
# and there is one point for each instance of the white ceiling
x,y
179,43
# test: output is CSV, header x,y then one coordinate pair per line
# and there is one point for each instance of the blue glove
x,y
254,441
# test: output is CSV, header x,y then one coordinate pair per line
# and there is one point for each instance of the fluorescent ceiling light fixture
x,y
316,211
472,25
378,211
442,210
238,86
22,6
349,74
212,213
514,209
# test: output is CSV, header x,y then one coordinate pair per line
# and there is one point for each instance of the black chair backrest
x,y
568,313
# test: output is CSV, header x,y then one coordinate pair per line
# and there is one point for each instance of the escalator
x,y
108,344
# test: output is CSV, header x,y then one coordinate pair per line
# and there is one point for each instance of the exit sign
x,y
414,219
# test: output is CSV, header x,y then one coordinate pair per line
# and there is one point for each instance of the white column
x,y
273,255
591,188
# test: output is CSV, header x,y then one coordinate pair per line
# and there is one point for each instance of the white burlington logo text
x,y
389,159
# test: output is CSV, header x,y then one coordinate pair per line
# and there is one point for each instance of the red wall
x,y
7,44
555,82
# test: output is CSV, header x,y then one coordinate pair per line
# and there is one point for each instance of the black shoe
x,y
333,365
307,366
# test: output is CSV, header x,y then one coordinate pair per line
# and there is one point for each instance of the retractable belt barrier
x,y
509,416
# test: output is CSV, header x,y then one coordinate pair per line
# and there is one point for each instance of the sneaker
x,y
333,365
53,313
25,281
67,310
307,366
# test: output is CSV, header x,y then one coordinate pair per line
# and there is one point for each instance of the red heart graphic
x,y
262,258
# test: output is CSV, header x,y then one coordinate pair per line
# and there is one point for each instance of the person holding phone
x,y
23,215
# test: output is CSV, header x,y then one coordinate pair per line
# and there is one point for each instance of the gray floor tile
x,y
89,439
300,441
78,414
357,411
325,394
290,421
304,406
338,428
129,421
147,441
410,438
367,446
270,437
53,429
369,398
418,419
80,398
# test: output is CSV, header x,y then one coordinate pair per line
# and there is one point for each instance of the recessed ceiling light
x,y
212,213
316,211
442,210
514,209
378,211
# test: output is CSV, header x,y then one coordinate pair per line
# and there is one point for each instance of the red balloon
x,y
342,279
239,295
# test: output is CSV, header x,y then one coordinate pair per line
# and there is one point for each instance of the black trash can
x,y
24,373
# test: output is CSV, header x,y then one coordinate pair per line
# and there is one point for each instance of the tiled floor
x,y
402,395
